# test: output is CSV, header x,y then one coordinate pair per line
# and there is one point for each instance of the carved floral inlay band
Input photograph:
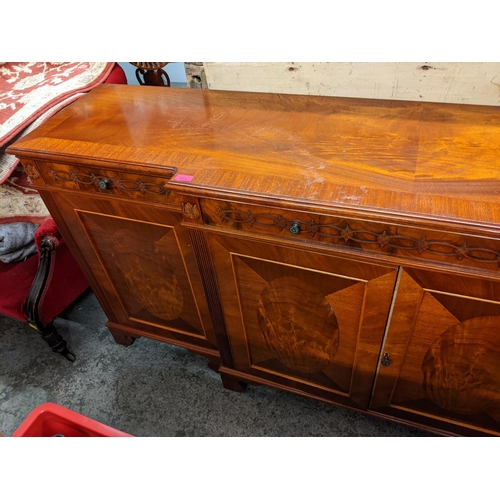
x,y
114,183
363,236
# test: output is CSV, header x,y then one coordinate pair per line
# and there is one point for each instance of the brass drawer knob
x,y
104,184
294,228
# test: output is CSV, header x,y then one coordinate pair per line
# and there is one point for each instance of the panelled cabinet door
x,y
303,321
443,347
141,266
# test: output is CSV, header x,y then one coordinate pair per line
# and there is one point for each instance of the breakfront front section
x,y
398,320
298,316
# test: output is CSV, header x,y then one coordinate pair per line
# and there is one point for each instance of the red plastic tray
x,y
50,420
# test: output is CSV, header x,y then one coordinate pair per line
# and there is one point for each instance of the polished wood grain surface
x,y
343,249
392,157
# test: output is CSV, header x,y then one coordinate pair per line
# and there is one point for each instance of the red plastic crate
x,y
50,420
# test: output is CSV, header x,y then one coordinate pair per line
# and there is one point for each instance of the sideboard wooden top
x,y
392,158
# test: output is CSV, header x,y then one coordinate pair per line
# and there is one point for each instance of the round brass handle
x,y
294,228
104,184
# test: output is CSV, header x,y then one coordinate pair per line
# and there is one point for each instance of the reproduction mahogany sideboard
x,y
343,249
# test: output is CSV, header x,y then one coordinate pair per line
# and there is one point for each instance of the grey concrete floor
x,y
153,389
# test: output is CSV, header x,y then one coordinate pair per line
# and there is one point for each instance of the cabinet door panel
x,y
141,261
145,265
445,350
307,321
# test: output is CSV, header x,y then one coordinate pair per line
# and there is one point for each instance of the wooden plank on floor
x,y
457,82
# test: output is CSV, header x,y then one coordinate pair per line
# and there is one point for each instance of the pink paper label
x,y
183,178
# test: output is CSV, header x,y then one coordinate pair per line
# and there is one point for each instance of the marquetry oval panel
x,y
144,262
307,322
301,341
461,367
444,345
156,288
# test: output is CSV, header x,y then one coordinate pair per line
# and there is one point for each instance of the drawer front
x,y
114,183
389,239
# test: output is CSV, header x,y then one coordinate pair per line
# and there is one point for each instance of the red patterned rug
x,y
19,202
30,91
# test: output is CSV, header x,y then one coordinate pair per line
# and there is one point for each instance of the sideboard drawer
x,y
383,238
123,184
